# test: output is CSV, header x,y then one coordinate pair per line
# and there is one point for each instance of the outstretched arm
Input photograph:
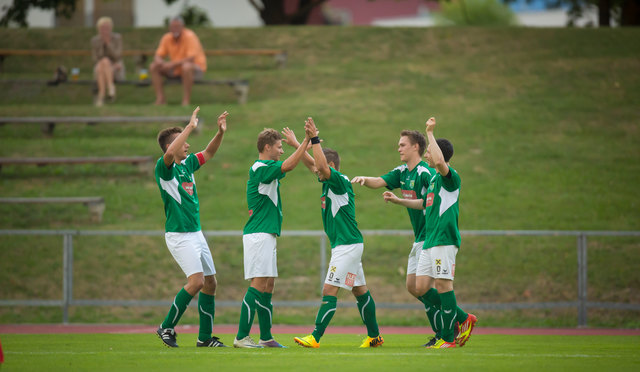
x,y
434,149
324,171
409,203
370,182
291,140
177,144
294,158
215,143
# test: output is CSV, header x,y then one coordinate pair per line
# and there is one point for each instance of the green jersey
x,y
413,184
178,191
442,210
339,210
263,198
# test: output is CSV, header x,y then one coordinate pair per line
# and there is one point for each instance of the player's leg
x,y
265,315
367,310
430,299
207,298
323,317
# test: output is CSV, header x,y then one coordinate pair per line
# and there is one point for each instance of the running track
x,y
231,329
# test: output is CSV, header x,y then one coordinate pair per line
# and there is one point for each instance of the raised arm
x,y
370,182
291,140
324,172
434,150
216,141
409,203
177,144
294,158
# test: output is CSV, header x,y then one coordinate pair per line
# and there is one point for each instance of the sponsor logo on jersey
x,y
409,194
188,187
323,202
429,199
351,278
250,212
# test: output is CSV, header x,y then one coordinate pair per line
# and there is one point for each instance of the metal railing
x,y
581,303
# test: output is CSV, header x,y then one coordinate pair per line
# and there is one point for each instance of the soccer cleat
x,y
442,344
431,342
168,336
271,343
372,342
212,342
307,341
246,343
465,330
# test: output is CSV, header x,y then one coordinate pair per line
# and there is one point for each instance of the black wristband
x,y
315,140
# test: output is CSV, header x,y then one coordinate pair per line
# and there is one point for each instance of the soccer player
x,y
339,220
259,236
438,257
175,177
412,178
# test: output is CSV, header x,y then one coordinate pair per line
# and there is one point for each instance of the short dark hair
x,y
164,135
269,137
332,156
415,137
446,147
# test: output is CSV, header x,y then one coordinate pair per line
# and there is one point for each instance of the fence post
x,y
323,260
582,280
67,276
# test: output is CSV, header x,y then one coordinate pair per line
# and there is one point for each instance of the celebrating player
x,y
412,178
438,257
259,236
339,220
175,177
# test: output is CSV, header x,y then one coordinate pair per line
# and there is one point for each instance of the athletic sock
x,y
367,308
207,310
265,316
180,303
247,312
325,313
431,301
461,316
448,312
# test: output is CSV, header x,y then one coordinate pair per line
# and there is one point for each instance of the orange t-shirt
x,y
187,45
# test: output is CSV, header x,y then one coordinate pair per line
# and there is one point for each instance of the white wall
x,y
223,13
35,17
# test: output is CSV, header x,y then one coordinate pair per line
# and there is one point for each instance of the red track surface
x,y
123,328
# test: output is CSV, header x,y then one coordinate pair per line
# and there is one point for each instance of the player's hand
x,y
310,129
431,124
194,118
359,179
222,122
290,138
390,197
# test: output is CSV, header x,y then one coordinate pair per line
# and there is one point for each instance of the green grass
x,y
544,123
109,352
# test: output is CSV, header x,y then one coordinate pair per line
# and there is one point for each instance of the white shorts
x,y
260,255
345,268
414,257
191,252
438,262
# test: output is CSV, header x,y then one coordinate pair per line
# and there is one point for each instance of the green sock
x,y
367,308
207,310
461,316
180,303
431,301
247,312
448,312
265,316
325,313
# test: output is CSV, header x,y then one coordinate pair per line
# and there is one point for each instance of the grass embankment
x,y
544,123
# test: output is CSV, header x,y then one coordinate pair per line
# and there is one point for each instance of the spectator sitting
x,y
106,49
186,60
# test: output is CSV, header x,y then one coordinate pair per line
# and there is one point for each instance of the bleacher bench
x,y
144,163
95,204
48,123
279,54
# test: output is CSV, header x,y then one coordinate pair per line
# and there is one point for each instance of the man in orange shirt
x,y
186,60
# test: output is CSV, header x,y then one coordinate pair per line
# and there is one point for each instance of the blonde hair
x,y
104,20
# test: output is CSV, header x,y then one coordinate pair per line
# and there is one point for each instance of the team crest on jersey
x,y
412,184
350,280
429,199
188,187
